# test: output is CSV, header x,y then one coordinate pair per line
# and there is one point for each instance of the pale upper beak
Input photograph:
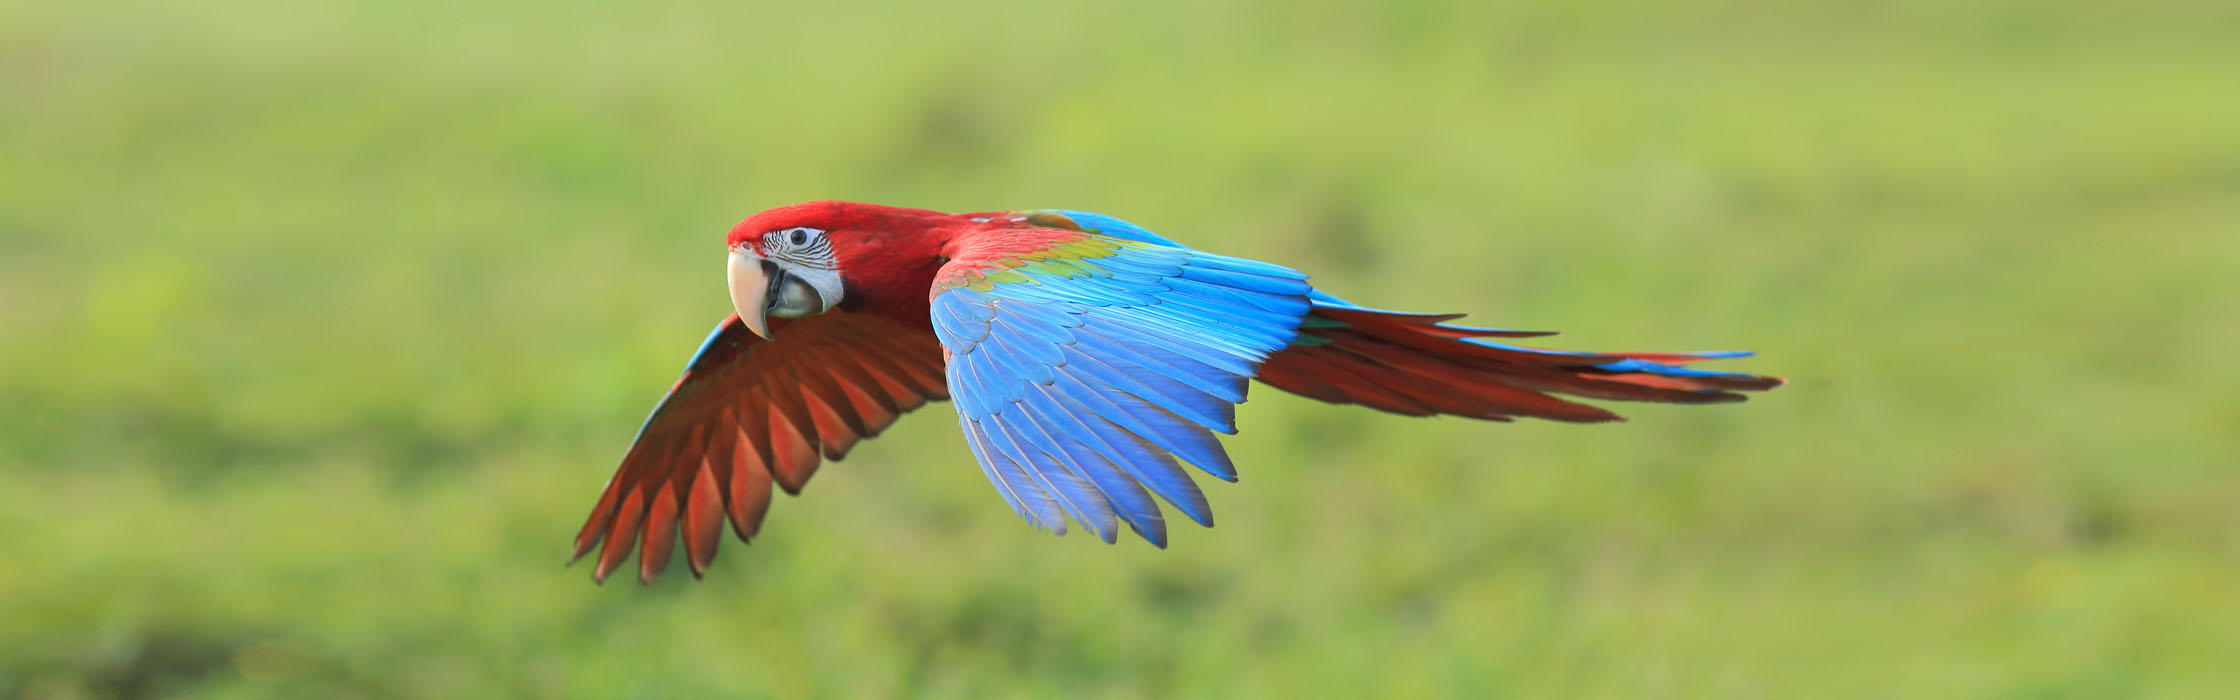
x,y
750,279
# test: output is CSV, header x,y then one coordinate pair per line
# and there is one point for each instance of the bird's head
x,y
806,259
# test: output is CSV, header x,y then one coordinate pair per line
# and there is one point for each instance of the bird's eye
x,y
799,236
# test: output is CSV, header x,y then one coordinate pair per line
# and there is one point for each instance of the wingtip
x,y
1157,538
583,546
600,573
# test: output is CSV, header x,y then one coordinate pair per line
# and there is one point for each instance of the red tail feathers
x,y
1416,365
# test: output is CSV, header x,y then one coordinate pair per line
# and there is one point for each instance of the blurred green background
x,y
321,325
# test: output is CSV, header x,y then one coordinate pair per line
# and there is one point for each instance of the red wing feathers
x,y
748,413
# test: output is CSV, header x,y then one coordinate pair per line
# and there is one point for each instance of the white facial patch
x,y
806,254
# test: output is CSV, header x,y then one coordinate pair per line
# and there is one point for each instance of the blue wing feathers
x,y
990,467
1027,498
1157,327
1214,381
1201,270
1080,386
1056,315
1020,322
1278,305
1192,443
982,392
1037,355
1214,360
1082,366
1126,497
1010,362
1206,410
1256,328
1063,469
970,306
1152,468
956,324
1070,494
1209,345
1172,434
1160,269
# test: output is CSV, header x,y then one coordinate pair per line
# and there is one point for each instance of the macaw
x,y
1086,357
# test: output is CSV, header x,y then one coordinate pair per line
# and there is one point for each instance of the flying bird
x,y
1088,359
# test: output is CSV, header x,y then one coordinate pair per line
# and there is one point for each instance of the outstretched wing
x,y
1083,365
747,412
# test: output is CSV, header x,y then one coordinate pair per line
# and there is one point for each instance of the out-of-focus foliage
x,y
322,323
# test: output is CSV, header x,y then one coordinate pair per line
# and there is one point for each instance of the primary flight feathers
x,y
1087,358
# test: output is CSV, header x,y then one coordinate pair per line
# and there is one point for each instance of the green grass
x,y
321,325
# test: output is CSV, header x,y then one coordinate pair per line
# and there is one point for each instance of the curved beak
x,y
750,279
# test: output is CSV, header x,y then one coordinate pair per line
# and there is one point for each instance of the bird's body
x,y
1085,356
